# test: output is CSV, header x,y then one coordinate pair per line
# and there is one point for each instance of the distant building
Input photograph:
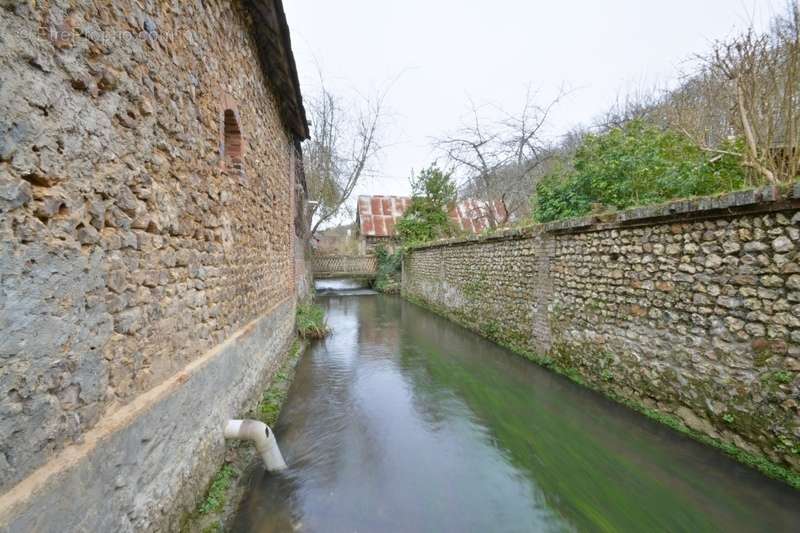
x,y
472,216
339,240
377,216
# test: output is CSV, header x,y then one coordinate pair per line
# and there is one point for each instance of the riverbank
x,y
227,488
402,420
687,312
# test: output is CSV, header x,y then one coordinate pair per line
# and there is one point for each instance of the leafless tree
x,y
764,70
639,103
344,141
499,156
700,108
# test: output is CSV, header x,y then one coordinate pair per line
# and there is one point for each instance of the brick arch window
x,y
232,143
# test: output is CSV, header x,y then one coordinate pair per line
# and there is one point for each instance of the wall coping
x,y
759,200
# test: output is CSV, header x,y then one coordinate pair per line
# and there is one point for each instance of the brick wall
x,y
129,249
690,309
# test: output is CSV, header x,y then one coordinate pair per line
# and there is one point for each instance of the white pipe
x,y
262,436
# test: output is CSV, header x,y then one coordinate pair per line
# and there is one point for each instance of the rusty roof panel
x,y
377,206
378,215
473,215
389,222
366,225
380,226
364,206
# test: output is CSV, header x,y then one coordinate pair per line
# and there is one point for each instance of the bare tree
x,y
700,108
742,100
499,156
639,103
344,141
764,71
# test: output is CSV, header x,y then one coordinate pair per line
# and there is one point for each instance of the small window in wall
x,y
232,143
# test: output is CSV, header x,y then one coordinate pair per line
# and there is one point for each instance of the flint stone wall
x,y
691,309
128,248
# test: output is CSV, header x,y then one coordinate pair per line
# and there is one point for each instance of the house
x,y
151,203
377,216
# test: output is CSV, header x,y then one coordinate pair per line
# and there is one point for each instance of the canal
x,y
404,421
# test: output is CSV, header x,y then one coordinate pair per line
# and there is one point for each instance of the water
x,y
403,421
343,287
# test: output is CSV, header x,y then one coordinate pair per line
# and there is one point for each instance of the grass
x,y
311,321
215,497
209,513
270,406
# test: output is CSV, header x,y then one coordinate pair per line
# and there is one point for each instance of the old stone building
x,y
151,202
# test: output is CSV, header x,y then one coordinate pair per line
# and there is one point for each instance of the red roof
x,y
377,215
473,215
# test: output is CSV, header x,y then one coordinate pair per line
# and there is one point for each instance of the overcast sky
x,y
442,53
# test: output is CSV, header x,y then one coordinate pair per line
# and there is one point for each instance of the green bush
x,y
636,164
310,321
387,278
426,218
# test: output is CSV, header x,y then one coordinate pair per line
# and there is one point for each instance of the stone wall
x,y
690,309
130,247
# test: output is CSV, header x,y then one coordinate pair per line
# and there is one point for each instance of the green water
x,y
404,421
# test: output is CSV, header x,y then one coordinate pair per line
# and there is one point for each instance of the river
x,y
403,421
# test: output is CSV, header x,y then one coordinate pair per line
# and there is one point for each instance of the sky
x,y
433,57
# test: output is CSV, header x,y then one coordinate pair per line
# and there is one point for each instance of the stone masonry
x,y
691,309
149,195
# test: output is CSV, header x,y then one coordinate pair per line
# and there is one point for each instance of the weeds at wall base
x,y
269,408
760,463
310,321
226,488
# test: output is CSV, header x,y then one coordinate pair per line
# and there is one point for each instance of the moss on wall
x,y
695,322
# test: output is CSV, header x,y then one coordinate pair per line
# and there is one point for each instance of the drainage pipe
x,y
262,436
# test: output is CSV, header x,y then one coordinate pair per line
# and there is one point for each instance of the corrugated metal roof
x,y
377,215
473,215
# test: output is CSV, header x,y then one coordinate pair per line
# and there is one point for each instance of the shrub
x,y
426,218
387,278
635,164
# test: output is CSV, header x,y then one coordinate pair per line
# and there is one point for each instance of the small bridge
x,y
344,266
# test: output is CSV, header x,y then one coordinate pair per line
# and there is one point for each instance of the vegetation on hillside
x,y
634,164
732,122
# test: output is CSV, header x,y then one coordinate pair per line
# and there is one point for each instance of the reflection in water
x,y
403,421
